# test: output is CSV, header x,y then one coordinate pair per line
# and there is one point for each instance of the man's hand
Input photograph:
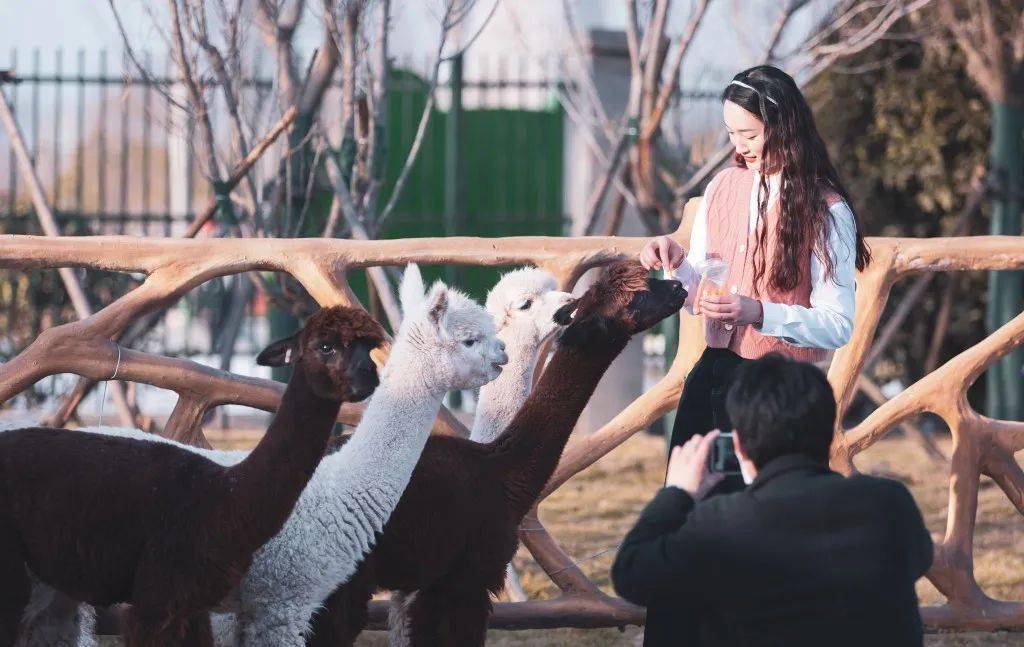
x,y
734,309
688,466
661,252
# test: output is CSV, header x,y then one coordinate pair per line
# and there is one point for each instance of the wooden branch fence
x,y
175,266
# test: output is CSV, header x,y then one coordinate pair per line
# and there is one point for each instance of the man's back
x,y
803,556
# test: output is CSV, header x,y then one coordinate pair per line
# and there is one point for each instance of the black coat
x,y
803,556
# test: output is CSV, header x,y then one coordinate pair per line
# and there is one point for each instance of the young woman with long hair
x,y
779,226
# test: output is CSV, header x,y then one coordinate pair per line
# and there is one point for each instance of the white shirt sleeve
x,y
828,323
689,271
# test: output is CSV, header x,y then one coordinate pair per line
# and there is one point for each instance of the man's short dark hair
x,y
781,406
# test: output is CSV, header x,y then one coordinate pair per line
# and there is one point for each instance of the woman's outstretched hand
x,y
661,252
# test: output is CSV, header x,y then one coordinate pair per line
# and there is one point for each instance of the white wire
x,y
103,396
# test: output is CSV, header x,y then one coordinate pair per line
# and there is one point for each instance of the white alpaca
x,y
52,619
523,304
446,341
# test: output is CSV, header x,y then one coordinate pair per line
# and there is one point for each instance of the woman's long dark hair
x,y
793,146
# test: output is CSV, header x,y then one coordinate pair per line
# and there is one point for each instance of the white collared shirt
x,y
828,322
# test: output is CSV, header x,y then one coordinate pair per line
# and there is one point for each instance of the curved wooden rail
x,y
173,267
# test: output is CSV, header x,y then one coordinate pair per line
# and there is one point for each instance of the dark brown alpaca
x,y
455,528
107,519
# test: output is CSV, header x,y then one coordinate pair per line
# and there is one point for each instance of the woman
x,y
781,221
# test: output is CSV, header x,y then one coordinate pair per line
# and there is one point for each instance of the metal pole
x,y
453,185
1005,386
453,198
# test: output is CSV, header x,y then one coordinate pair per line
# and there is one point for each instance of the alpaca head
x,y
333,351
622,302
523,304
446,339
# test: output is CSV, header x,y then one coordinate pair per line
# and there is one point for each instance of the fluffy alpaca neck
x,y
501,398
527,453
271,478
375,465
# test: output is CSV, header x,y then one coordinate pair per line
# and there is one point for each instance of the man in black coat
x,y
803,556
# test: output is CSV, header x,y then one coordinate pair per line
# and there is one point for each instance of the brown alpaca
x,y
107,519
455,528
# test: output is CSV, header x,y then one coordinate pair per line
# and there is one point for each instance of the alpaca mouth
x,y
496,366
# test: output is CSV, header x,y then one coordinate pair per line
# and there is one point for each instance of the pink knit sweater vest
x,y
729,238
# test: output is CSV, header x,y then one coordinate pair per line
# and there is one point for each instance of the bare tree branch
x,y
653,121
48,223
242,167
480,30
196,95
379,97
137,64
230,92
343,203
812,70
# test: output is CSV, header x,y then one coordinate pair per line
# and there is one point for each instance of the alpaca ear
x,y
564,315
280,353
437,305
411,292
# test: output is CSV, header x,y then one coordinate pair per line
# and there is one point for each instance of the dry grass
x,y
591,513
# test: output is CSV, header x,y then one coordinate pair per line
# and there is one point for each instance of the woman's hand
x,y
733,309
661,252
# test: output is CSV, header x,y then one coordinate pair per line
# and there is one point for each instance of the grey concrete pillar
x,y
609,66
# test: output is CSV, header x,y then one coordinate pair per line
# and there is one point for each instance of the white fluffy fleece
x,y
446,342
523,304
52,619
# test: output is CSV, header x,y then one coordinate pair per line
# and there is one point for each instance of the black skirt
x,y
702,405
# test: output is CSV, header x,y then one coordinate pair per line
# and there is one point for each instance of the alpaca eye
x,y
526,304
326,348
468,342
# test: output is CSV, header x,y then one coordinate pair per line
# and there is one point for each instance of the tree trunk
x,y
1005,386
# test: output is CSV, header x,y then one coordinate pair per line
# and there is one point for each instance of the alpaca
x,y
108,519
445,342
456,526
523,304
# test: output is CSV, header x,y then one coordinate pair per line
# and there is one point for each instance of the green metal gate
x,y
482,171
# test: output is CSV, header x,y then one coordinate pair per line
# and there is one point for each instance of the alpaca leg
x,y
421,625
399,622
151,628
448,619
14,590
142,630
465,623
344,614
198,631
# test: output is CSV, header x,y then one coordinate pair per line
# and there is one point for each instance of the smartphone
x,y
722,459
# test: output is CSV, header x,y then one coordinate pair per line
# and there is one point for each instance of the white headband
x,y
754,90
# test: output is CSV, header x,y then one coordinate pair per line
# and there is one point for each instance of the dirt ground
x,y
591,513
